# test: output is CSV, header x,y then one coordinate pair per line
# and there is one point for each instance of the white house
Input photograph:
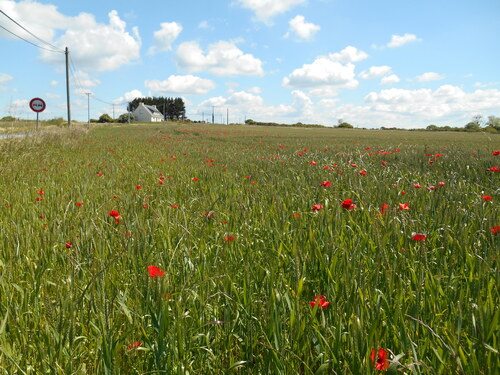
x,y
147,113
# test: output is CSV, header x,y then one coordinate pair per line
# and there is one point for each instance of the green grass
x,y
242,306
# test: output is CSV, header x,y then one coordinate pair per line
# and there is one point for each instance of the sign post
x,y
37,105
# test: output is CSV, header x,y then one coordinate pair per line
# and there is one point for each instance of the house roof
x,y
152,109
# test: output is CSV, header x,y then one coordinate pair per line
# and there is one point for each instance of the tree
x,y
433,127
494,122
105,118
170,108
123,118
345,125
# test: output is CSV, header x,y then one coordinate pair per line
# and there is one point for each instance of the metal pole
x,y
227,116
88,110
67,86
213,115
37,121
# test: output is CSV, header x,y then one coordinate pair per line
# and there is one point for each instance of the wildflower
x,y
134,345
229,238
116,215
312,162
404,206
155,271
317,207
493,169
296,215
40,192
362,172
430,188
384,207
496,153
68,245
195,179
417,186
174,206
38,199
419,237
138,187
495,229
300,153
348,205
381,363
487,198
320,301
441,184
160,182
384,163
79,204
326,184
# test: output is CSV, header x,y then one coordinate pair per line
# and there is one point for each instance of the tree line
x,y
170,108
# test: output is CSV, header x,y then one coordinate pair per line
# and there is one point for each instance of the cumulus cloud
x,y
177,84
128,97
400,40
430,76
265,10
54,83
83,79
4,78
326,74
222,59
164,37
302,29
390,79
375,71
92,45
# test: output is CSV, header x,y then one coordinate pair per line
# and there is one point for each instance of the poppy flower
x,y
155,271
138,187
312,162
320,301
296,215
417,186
326,183
68,245
348,205
441,183
160,182
195,179
115,214
384,207
404,206
430,188
38,199
496,153
362,172
40,192
317,207
229,238
419,237
79,204
381,363
384,163
487,198
495,229
493,169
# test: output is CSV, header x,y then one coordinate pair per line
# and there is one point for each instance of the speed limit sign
x,y
37,105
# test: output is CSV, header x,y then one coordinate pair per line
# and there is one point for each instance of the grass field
x,y
200,249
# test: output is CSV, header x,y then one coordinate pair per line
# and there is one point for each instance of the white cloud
x,y
266,9
4,78
128,97
375,71
389,80
303,30
430,76
188,85
399,40
92,45
326,74
255,90
204,25
222,59
83,79
54,83
349,54
52,96
165,37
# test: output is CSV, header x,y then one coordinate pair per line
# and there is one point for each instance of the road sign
x,y
37,105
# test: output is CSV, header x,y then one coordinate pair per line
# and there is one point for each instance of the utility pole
x,y
203,117
88,109
213,119
67,86
227,116
113,111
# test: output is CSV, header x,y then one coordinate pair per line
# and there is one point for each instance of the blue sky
x,y
386,63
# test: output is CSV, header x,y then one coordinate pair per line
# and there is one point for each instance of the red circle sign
x,y
37,105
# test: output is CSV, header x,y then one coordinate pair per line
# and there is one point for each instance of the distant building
x,y
147,113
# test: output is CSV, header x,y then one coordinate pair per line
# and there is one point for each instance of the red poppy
x,y
138,187
160,182
326,183
384,163
381,363
441,183
195,179
496,153
430,188
317,207
68,245
38,199
229,238
79,204
348,205
312,162
487,198
300,153
419,237
362,172
493,169
417,186
384,207
320,301
155,271
495,229
40,192
404,206
115,214
296,214
174,206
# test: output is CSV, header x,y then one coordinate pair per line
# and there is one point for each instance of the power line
x,y
26,40
56,49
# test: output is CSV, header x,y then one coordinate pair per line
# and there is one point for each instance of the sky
x,y
369,63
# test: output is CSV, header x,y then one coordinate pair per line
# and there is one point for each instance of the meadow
x,y
205,249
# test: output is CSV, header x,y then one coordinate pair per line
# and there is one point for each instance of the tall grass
x,y
231,224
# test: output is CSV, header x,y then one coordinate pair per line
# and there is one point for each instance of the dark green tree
x,y
105,118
